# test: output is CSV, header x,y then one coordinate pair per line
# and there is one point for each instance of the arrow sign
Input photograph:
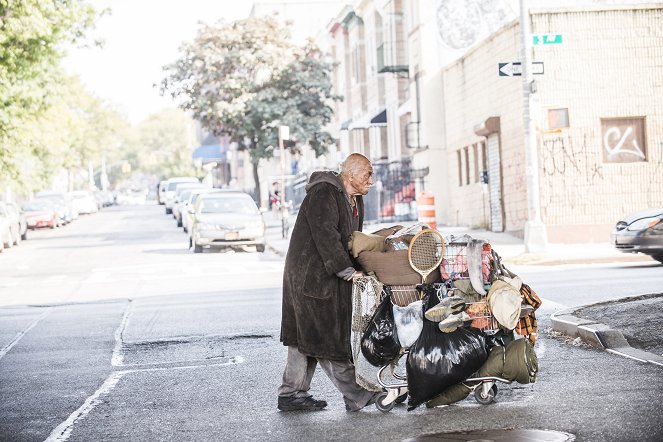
x,y
546,39
515,69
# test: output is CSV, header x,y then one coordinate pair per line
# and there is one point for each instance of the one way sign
x,y
515,69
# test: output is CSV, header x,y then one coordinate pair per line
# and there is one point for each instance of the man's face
x,y
363,180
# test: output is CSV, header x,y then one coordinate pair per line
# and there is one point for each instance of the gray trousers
x,y
299,370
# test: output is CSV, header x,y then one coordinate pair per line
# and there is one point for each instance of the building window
x,y
475,151
558,119
460,167
466,150
623,140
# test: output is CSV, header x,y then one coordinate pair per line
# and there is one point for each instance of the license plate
x,y
232,236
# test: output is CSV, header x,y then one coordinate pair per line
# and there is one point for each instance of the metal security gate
x,y
495,183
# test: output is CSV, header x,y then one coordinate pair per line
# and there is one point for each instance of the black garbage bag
x,y
379,344
439,360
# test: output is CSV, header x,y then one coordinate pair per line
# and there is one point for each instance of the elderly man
x,y
317,287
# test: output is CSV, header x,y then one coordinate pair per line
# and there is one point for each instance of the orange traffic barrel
x,y
426,208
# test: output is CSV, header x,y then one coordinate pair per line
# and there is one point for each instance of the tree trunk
x,y
256,179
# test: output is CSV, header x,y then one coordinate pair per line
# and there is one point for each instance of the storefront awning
x,y
360,123
210,152
380,119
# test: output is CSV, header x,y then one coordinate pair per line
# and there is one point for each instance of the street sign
x,y
515,69
546,39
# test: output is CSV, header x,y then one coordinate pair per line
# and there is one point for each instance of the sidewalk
x,y
634,331
509,247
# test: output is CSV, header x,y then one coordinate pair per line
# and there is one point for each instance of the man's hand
x,y
357,275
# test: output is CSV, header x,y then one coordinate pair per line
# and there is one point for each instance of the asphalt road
x,y
112,330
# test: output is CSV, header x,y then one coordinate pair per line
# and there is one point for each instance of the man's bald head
x,y
356,174
354,164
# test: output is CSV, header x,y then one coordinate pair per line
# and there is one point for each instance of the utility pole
x,y
536,238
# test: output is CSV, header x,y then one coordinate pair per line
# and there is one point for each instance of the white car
x,y
187,206
227,219
84,202
171,187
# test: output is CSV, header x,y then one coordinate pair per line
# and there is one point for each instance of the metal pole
x,y
284,134
535,232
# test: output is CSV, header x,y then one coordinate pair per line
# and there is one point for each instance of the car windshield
x,y
36,206
240,205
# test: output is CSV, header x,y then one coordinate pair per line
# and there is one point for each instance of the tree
x,y
163,144
246,78
31,35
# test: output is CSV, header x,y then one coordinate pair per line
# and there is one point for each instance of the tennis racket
x,y
425,252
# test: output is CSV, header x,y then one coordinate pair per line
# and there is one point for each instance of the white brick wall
x,y
609,65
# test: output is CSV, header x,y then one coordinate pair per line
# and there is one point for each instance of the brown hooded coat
x,y
317,304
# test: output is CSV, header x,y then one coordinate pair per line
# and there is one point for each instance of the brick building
x,y
600,124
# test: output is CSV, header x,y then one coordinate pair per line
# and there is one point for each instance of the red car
x,y
40,213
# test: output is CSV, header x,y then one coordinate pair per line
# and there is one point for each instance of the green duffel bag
x,y
494,365
450,395
520,362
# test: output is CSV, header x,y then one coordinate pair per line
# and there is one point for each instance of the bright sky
x,y
140,37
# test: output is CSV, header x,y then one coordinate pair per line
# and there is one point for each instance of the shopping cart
x,y
455,266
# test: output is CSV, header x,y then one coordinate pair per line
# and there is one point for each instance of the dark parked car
x,y
641,232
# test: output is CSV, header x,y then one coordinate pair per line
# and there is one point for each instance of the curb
x,y
600,336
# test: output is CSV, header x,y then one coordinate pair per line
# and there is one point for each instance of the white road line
x,y
118,358
22,333
62,432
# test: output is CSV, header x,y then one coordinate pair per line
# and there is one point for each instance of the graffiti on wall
x,y
623,140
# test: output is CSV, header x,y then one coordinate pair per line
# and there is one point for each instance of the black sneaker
x,y
300,404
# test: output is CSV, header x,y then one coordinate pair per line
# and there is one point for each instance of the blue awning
x,y
210,152
380,119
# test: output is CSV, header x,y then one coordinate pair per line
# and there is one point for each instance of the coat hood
x,y
327,176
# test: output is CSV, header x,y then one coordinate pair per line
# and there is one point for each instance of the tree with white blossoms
x,y
246,78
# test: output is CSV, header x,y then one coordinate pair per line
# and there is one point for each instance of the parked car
x,y
84,202
6,240
640,232
227,219
105,198
14,223
63,203
161,192
187,208
16,213
40,213
171,187
182,189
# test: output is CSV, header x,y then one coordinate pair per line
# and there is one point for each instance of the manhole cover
x,y
496,435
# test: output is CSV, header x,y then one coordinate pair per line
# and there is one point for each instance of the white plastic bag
x,y
409,322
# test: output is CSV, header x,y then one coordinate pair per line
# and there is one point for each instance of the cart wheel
x,y
385,408
400,399
485,400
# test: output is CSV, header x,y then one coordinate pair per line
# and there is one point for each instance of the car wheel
x,y
658,258
25,235
197,248
168,211
260,248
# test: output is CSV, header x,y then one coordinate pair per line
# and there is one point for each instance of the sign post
x,y
536,239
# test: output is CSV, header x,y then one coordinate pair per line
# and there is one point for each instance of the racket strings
x,y
426,251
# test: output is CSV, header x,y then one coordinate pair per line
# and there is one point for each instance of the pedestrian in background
x,y
317,287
